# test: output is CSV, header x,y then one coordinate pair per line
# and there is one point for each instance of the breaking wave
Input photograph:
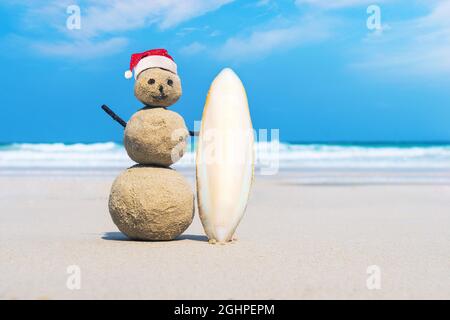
x,y
110,155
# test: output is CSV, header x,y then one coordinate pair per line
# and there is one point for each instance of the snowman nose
x,y
161,88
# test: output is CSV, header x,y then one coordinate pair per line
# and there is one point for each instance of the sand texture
x,y
155,136
295,242
151,203
157,87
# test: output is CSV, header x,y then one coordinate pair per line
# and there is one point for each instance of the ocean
x,y
271,159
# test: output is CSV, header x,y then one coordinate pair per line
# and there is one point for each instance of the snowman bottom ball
x,y
151,203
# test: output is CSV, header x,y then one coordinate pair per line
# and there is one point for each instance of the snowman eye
x,y
169,82
151,81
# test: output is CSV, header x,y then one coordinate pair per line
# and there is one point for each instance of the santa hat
x,y
155,58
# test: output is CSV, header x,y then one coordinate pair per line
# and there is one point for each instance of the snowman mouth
x,y
160,97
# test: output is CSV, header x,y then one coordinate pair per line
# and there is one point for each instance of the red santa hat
x,y
155,58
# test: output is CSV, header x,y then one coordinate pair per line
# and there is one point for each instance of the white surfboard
x,y
225,157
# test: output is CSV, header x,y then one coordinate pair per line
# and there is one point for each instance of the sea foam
x,y
110,155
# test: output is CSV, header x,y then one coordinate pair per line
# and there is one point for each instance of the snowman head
x,y
157,87
157,82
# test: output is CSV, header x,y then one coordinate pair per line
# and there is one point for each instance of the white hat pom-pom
x,y
128,74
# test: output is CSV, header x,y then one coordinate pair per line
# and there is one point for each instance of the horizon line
x,y
293,142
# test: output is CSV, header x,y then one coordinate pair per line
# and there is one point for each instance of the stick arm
x,y
114,116
122,122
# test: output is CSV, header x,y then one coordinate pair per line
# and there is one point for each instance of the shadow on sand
x,y
119,236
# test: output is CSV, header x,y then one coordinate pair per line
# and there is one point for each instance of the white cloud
x,y
308,28
260,43
439,16
81,49
101,19
262,3
193,48
419,46
119,15
334,4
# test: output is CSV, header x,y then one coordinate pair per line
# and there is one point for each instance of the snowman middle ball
x,y
156,136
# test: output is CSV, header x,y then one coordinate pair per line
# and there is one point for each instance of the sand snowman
x,y
152,201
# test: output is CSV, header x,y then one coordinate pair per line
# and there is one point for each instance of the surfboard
x,y
225,157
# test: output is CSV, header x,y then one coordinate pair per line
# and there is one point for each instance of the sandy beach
x,y
296,241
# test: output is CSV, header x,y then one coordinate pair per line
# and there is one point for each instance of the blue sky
x,y
312,68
